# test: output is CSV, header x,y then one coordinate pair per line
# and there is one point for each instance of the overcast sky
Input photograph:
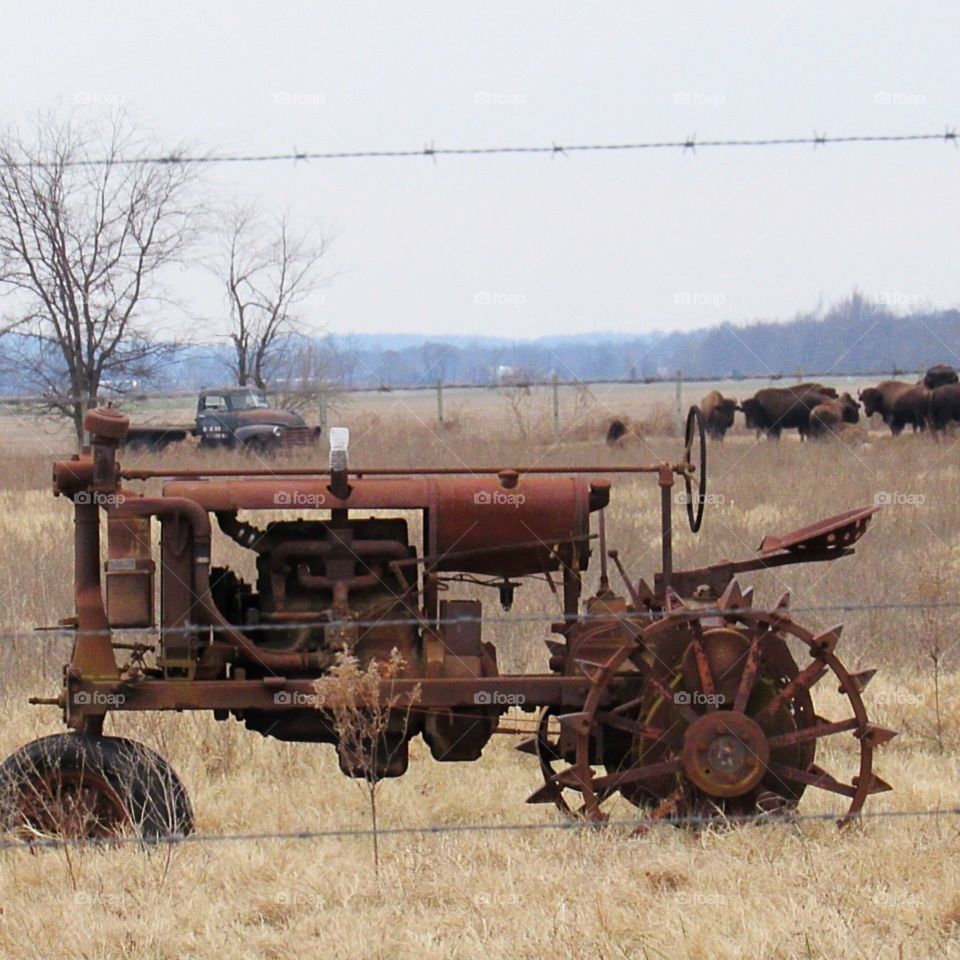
x,y
526,246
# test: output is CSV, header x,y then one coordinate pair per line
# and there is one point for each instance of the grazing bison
x,y
616,431
776,409
879,399
818,387
622,431
899,404
944,406
910,406
827,418
718,413
939,375
882,398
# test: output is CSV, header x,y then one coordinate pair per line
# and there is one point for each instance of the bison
x,y
718,413
623,431
828,417
944,406
939,375
899,404
818,387
776,409
617,430
879,399
911,407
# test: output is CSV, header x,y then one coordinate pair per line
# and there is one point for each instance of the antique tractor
x,y
679,697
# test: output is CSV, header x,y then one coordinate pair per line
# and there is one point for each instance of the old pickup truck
x,y
230,417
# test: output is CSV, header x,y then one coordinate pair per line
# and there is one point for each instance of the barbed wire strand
x,y
133,396
462,828
430,151
839,607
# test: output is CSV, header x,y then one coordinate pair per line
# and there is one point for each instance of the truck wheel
x,y
261,445
78,786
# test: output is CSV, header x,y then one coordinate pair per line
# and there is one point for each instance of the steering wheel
x,y
695,435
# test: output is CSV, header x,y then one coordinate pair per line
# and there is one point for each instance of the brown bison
x,y
911,407
623,430
776,409
818,387
617,430
898,403
828,417
718,413
944,406
939,375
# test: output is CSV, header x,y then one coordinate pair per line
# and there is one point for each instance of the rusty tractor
x,y
681,698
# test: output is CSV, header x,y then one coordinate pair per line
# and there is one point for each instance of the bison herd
x,y
818,412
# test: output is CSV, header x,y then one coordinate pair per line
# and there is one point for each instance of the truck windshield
x,y
252,400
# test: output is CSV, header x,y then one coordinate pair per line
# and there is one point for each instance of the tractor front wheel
x,y
77,786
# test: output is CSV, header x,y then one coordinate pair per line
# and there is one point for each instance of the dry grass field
x,y
885,888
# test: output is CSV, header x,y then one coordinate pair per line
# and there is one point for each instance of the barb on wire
x,y
432,152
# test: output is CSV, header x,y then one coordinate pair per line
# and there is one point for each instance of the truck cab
x,y
233,416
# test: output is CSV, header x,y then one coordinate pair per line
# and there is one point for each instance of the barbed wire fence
x,y
440,829
677,390
431,151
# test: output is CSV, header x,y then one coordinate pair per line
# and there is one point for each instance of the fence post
x,y
322,413
678,411
556,406
439,403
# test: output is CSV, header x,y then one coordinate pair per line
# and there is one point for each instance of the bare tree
x,y
311,373
86,231
268,270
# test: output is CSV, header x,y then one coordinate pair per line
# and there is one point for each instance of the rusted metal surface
x,y
834,533
682,699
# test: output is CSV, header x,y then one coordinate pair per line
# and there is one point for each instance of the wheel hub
x,y
725,754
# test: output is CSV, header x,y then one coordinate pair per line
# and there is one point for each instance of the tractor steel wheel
x,y
727,729
75,786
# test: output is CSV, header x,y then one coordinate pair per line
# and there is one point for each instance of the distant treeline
x,y
854,336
